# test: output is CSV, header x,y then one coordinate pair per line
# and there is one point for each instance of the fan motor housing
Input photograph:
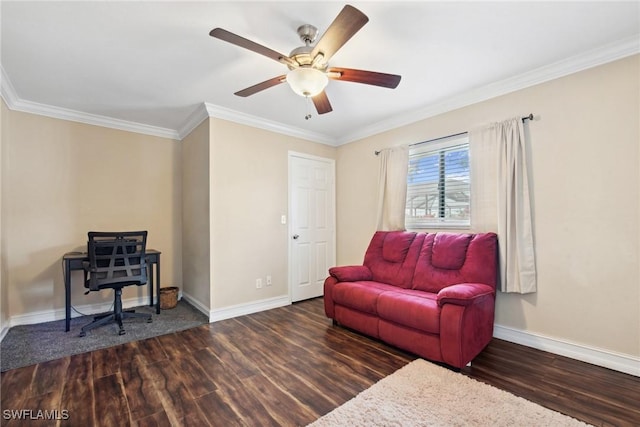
x,y
307,33
302,54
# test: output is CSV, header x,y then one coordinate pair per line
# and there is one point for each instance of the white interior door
x,y
311,224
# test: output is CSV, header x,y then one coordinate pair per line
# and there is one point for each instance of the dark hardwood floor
x,y
286,366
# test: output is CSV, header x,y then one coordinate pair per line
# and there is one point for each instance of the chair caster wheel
x,y
82,334
150,320
121,332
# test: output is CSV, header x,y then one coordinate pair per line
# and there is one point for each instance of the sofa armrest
x,y
463,293
351,273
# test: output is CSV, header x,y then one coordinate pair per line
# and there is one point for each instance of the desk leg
x,y
67,295
158,286
150,266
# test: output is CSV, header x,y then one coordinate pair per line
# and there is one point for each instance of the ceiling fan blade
x,y
367,77
321,101
229,37
261,86
346,24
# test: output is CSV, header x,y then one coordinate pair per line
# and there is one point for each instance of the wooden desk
x,y
73,261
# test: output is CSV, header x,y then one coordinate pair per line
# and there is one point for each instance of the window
x,y
438,188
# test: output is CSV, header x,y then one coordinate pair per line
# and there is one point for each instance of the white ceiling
x,y
153,65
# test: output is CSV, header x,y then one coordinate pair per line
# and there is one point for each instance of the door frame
x,y
290,209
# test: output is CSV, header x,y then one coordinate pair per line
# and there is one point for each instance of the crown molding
x,y
199,115
207,110
258,122
15,103
592,58
599,56
7,90
94,119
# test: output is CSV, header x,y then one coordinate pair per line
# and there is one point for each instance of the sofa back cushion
x,y
392,256
446,259
449,251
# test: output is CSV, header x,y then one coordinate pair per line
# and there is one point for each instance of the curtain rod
x,y
529,117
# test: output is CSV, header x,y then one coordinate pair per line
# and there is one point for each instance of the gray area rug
x,y
424,394
30,344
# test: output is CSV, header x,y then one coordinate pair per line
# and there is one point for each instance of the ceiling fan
x,y
309,70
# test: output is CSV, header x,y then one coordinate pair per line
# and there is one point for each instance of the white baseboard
x,y
51,315
214,315
197,304
229,312
596,356
253,307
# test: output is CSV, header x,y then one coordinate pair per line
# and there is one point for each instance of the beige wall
x,y
62,179
586,188
249,186
196,210
235,183
4,308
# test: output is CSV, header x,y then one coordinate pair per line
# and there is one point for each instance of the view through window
x,y
438,187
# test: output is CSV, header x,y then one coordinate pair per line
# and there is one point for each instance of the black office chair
x,y
116,260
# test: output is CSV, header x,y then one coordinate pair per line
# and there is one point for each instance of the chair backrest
x,y
116,259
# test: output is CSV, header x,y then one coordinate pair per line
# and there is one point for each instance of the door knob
x,y
295,236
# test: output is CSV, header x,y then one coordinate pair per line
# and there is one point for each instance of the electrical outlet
x,y
258,283
269,280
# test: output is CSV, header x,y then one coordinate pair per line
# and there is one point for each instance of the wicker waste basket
x,y
168,297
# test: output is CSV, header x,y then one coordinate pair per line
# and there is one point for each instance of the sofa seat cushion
x,y
415,309
361,296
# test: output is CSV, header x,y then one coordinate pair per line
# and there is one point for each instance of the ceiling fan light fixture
x,y
307,82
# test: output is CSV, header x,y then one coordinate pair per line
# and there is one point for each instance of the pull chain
x,y
308,115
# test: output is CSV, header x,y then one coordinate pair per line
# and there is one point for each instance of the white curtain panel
x,y
392,193
500,179
483,153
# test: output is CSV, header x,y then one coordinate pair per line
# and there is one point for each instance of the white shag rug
x,y
424,394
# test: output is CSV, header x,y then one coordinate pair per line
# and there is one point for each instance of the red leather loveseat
x,y
430,294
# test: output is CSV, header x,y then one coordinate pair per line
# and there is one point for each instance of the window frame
x,y
440,146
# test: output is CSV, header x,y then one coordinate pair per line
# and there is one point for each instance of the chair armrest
x,y
463,293
351,273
